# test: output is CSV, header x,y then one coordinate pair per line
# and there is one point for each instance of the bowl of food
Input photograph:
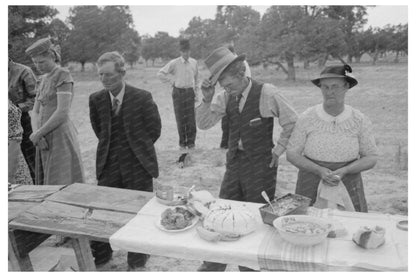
x,y
303,230
176,219
171,195
288,204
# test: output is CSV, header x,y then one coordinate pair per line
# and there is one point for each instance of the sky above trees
x,y
151,19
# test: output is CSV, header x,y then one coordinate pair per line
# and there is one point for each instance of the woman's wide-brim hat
x,y
338,71
219,60
39,47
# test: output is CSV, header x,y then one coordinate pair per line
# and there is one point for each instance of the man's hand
x,y
207,90
275,161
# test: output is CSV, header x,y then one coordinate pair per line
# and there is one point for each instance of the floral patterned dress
x,y
22,175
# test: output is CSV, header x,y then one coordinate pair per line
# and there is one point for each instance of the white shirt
x,y
180,73
119,97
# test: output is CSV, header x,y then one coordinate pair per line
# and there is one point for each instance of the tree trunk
x,y
396,59
358,58
291,74
306,64
322,60
280,65
375,57
349,59
82,66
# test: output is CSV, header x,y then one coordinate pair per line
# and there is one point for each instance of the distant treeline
x,y
283,35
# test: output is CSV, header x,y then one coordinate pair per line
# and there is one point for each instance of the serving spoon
x,y
264,194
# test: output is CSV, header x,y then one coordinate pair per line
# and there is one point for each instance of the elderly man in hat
x,y
250,106
224,121
333,142
22,84
182,74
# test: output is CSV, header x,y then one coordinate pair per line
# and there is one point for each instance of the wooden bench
x,y
79,211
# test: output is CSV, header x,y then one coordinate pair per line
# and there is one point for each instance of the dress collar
x,y
322,114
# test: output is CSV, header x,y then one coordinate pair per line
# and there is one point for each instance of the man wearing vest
x,y
127,123
250,106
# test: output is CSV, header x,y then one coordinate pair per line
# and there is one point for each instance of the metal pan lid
x,y
402,225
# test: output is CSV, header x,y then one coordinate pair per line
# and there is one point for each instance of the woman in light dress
x,y
58,158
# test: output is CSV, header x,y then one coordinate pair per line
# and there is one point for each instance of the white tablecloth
x,y
141,235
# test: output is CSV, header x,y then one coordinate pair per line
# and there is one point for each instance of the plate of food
x,y
174,220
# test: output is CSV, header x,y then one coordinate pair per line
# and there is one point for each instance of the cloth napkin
x,y
335,197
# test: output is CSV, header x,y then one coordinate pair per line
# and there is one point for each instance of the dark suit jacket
x,y
141,122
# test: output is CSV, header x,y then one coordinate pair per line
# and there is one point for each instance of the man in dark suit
x,y
127,123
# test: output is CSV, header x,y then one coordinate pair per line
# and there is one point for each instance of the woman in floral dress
x,y
333,141
18,169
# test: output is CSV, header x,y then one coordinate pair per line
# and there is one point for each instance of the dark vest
x,y
119,150
257,137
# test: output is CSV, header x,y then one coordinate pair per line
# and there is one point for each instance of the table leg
x,y
19,261
83,253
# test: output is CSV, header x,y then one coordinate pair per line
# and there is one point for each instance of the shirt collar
x,y
183,60
119,96
247,89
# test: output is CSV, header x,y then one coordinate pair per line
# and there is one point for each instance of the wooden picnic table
x,y
80,211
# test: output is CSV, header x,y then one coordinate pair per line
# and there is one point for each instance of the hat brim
x,y
351,80
214,78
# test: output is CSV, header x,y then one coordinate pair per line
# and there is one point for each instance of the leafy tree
x,y
234,20
350,19
203,34
131,43
167,47
229,26
376,42
97,30
84,39
26,24
59,32
149,50
399,40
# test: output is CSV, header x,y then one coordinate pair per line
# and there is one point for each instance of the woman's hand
x,y
275,161
340,172
35,137
43,144
328,177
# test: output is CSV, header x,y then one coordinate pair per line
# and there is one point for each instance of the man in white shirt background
x,y
182,74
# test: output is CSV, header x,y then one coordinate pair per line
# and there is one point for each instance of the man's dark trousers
x,y
120,173
225,132
184,106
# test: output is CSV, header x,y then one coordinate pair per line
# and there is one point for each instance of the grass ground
x,y
381,94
